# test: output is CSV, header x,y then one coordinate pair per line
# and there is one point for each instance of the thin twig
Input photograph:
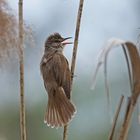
x,y
76,38
21,61
109,105
65,133
127,120
74,54
116,118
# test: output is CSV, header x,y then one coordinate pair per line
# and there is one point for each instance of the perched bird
x,y
57,81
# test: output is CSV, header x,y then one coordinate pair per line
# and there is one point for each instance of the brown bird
x,y
57,81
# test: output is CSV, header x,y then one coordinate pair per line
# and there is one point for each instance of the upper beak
x,y
64,42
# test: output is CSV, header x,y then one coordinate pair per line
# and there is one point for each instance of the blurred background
x,y
101,20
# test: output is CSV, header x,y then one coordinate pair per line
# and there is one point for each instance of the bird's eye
x,y
57,40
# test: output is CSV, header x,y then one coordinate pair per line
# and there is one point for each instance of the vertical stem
x,y
76,38
21,61
65,133
116,118
127,121
139,110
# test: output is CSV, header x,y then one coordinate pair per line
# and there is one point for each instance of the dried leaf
x,y
135,64
102,58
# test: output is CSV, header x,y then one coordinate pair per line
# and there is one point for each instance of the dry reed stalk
x,y
135,66
65,133
127,121
11,46
116,118
133,63
21,61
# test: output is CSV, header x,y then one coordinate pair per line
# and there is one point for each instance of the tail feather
x,y
63,110
48,115
53,117
56,117
59,120
70,112
56,123
70,107
59,110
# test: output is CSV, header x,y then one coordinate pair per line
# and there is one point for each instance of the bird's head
x,y
56,41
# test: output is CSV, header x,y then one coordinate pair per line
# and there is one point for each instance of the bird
x,y
56,75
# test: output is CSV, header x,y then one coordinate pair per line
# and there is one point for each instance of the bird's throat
x,y
51,49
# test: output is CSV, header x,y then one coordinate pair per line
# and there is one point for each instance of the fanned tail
x,y
60,110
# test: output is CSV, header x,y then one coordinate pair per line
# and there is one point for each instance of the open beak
x,y
65,41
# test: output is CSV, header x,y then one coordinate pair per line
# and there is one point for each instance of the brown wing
x,y
46,67
62,73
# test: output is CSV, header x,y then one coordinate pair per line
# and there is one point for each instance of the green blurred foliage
x,y
80,128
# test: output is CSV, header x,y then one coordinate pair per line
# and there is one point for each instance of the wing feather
x,y
62,73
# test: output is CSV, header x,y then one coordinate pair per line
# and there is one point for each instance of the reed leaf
x,y
133,64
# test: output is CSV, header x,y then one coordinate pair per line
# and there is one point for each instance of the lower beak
x,y
64,42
